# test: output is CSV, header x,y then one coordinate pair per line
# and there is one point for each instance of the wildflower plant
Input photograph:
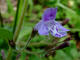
x,y
49,25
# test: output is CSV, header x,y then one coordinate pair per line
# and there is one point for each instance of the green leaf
x,y
60,55
33,57
23,56
5,34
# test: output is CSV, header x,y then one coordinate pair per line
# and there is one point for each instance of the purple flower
x,y
49,25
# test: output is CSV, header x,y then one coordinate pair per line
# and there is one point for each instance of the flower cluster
x,y
49,25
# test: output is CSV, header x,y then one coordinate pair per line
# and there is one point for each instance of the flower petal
x,y
54,32
60,27
38,25
42,29
49,14
56,29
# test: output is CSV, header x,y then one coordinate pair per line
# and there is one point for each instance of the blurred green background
x,y
67,9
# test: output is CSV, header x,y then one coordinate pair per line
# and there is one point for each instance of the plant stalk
x,y
17,31
18,28
16,17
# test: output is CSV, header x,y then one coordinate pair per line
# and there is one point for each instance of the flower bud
x,y
34,32
65,21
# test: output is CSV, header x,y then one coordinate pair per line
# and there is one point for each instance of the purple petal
x,y
50,23
42,29
55,33
38,25
60,34
49,14
60,27
52,26
57,30
63,29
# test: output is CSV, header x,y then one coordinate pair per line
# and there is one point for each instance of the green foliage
x,y
39,44
5,34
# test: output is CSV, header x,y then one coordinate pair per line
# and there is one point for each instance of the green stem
x,y
9,54
17,31
16,17
28,41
